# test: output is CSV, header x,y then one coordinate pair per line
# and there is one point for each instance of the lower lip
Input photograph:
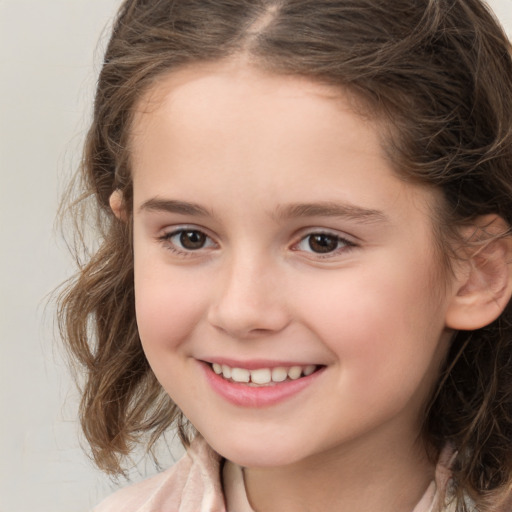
x,y
242,395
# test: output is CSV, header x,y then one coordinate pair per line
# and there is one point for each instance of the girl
x,y
305,256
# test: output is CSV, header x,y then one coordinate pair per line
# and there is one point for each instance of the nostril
x,y
247,318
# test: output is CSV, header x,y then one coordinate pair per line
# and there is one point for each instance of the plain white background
x,y
50,52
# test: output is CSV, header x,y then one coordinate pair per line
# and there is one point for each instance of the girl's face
x,y
273,242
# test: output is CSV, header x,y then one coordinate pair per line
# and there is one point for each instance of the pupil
x,y
323,243
192,239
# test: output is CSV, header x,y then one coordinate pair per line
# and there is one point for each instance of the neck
x,y
389,477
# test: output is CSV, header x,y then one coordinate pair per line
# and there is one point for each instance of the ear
x,y
483,281
117,204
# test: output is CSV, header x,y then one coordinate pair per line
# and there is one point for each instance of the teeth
x,y
295,372
309,369
279,374
263,376
240,375
226,371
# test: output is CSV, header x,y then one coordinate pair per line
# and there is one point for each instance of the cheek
x,y
168,307
382,327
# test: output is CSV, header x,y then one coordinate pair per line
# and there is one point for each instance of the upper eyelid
x,y
340,238
305,232
165,240
171,230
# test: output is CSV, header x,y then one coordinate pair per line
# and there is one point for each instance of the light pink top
x,y
193,484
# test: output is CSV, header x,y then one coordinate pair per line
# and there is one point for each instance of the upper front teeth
x,y
263,375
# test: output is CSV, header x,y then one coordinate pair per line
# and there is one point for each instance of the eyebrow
x,y
173,206
294,210
331,209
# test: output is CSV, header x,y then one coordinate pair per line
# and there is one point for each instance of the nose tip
x,y
246,320
246,308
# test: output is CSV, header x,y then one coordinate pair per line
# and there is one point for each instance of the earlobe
x,y
483,283
117,204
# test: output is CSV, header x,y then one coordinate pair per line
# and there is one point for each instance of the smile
x,y
261,386
263,376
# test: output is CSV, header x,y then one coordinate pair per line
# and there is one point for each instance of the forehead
x,y
230,89
224,128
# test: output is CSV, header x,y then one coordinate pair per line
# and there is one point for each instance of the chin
x,y
256,453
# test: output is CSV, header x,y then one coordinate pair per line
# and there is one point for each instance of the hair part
x,y
436,73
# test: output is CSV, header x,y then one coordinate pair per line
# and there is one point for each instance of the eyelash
x,y
342,244
166,239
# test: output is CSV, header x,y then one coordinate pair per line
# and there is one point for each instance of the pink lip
x,y
257,397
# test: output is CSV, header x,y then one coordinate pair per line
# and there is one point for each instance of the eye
x,y
186,240
323,243
191,239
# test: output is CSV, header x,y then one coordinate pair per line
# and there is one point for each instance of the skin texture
x,y
245,147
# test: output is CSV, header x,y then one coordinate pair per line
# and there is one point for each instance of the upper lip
x,y
255,364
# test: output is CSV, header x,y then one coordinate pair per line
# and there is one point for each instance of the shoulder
x,y
193,484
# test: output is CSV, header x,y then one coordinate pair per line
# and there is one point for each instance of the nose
x,y
249,301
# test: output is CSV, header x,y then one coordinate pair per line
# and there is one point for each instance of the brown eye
x,y
322,243
192,240
185,241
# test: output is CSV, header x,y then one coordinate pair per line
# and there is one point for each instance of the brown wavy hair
x,y
438,72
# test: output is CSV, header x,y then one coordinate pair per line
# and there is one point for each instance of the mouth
x,y
263,376
261,385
